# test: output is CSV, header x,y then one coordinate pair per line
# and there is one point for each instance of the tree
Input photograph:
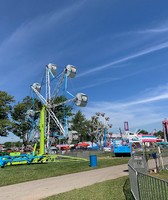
x,y
159,134
11,144
21,126
143,132
80,124
5,111
61,111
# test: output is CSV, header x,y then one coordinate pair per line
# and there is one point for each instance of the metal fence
x,y
152,188
144,186
133,174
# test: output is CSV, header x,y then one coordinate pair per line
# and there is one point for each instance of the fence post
x,y
139,198
160,158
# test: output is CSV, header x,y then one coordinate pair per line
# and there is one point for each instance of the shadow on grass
x,y
127,190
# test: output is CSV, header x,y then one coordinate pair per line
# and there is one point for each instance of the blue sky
x,y
119,47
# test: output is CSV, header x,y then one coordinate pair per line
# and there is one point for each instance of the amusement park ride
x,y
101,127
165,129
130,139
54,85
48,102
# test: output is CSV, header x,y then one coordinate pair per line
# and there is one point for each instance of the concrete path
x,y
35,190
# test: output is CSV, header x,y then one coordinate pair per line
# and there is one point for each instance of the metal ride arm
x,y
64,102
48,108
59,85
56,120
80,99
43,100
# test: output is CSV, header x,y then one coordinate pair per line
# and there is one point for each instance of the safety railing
x,y
152,188
133,175
144,186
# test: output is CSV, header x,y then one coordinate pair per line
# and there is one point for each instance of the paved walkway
x,y
35,190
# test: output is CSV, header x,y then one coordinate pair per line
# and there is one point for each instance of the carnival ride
x,y
165,129
130,140
122,147
100,130
57,83
60,88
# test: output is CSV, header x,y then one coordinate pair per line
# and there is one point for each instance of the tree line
x,y
13,118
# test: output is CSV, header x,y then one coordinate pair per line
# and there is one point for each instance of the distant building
x,y
116,135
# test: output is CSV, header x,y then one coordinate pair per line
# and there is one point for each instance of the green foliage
x,y
20,125
163,174
19,111
60,111
8,144
143,132
80,124
159,134
11,144
5,111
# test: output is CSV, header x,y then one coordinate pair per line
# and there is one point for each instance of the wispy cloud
x,y
155,42
162,27
100,81
141,116
149,31
149,96
149,100
97,83
127,58
17,51
140,112
34,28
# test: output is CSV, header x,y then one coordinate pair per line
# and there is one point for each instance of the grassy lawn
x,y
22,173
112,189
162,175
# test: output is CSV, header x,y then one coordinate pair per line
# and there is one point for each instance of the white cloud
x,y
141,112
149,31
155,42
127,58
34,28
14,59
159,28
101,81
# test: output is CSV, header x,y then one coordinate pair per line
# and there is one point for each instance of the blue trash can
x,y
93,160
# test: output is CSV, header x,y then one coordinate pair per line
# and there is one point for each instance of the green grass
x,y
162,175
112,189
22,173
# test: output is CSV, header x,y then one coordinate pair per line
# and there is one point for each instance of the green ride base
x,y
62,158
46,158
